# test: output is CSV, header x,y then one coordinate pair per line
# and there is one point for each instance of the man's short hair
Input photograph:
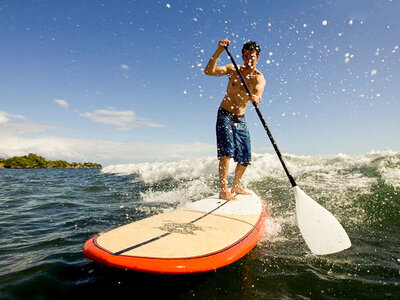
x,y
251,46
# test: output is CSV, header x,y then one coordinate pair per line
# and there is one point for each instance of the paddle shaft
x,y
292,182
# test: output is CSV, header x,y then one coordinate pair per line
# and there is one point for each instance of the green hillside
x,y
33,161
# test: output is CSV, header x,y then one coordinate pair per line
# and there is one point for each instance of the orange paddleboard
x,y
201,236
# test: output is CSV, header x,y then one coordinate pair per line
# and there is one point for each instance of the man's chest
x,y
236,83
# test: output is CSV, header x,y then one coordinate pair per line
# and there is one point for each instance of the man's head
x,y
250,46
250,53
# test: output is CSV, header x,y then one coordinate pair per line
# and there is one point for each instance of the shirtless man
x,y
233,139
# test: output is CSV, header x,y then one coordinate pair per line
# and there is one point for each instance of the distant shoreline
x,y
35,168
33,161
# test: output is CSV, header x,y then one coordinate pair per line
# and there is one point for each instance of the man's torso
x,y
236,98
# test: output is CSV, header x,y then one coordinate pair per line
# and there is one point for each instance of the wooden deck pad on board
x,y
199,228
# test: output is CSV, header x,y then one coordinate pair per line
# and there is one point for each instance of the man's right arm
x,y
212,69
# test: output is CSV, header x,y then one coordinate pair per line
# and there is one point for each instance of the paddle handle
x,y
271,138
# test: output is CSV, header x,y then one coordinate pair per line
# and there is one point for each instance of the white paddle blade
x,y
320,229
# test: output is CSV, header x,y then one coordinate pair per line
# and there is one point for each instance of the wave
x,y
153,172
337,171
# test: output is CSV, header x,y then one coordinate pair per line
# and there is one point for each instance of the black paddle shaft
x,y
292,182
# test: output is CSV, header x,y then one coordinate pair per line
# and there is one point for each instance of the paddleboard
x,y
198,237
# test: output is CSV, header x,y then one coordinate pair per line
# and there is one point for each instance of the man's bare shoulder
x,y
258,73
260,77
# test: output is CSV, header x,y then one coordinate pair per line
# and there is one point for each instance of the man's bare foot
x,y
226,195
240,191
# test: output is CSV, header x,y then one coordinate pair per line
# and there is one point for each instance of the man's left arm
x,y
258,90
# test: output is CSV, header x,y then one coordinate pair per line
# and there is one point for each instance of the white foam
x,y
189,191
274,229
339,170
154,172
389,168
391,176
326,175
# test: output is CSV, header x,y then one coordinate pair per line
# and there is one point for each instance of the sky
x,y
123,81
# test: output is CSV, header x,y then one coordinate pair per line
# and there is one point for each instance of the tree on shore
x,y
33,161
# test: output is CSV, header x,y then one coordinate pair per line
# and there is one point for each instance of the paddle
x,y
321,231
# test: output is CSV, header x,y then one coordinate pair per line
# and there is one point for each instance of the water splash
x,y
345,185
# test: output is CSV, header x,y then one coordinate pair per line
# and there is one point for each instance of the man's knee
x,y
224,158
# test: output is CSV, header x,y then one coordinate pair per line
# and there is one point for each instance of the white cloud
x,y
16,124
62,103
27,127
5,117
15,142
122,120
125,67
101,151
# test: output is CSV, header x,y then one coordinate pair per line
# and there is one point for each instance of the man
x,y
233,139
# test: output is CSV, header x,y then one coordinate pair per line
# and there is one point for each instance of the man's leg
x,y
236,187
223,179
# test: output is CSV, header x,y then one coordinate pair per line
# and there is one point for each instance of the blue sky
x,y
122,81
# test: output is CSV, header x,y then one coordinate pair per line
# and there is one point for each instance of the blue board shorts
x,y
233,138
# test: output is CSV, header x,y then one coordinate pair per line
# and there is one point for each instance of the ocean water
x,y
47,215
